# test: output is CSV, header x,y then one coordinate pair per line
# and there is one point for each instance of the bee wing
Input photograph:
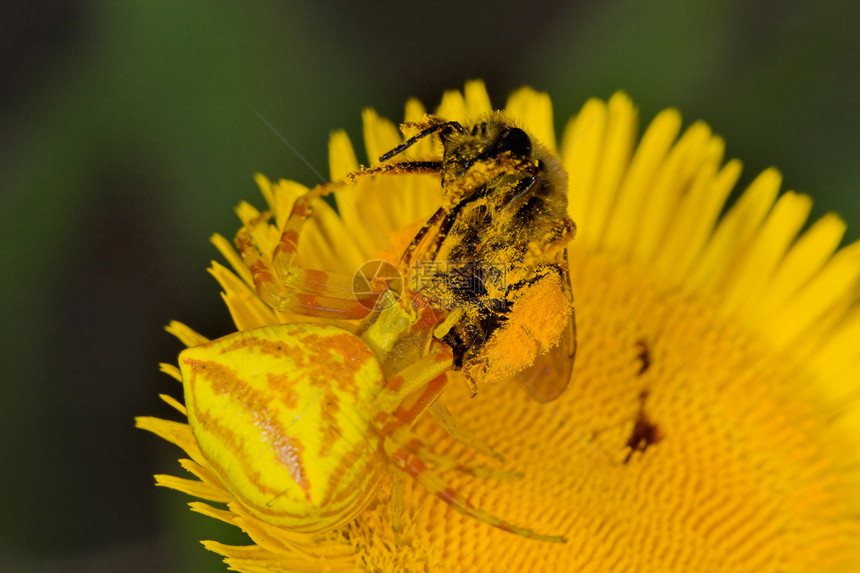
x,y
549,376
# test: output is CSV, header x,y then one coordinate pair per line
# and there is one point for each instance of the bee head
x,y
514,140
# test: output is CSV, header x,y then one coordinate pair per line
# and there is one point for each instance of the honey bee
x,y
318,401
501,235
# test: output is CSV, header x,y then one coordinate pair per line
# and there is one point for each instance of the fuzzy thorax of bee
x,y
503,227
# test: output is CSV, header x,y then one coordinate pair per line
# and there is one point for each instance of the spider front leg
x,y
307,292
287,287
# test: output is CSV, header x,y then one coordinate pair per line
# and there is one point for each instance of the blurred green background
x,y
130,130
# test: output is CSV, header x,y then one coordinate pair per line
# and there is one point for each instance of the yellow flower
x,y
712,421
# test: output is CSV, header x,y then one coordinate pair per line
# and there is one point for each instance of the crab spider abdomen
x,y
282,415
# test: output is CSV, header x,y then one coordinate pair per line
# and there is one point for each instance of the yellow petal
x,y
380,135
341,156
477,99
734,231
635,188
453,107
534,110
614,156
581,147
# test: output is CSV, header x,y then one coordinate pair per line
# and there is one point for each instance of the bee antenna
x,y
421,135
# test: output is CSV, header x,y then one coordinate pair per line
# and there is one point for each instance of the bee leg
x,y
400,168
429,126
552,242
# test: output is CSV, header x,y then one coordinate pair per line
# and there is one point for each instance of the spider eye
x,y
515,140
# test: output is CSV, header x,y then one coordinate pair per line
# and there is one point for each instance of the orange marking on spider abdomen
x,y
330,426
245,394
224,381
324,359
354,353
273,348
338,490
283,386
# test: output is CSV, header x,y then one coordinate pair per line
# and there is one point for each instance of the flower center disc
x,y
681,444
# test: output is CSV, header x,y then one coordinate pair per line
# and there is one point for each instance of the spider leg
x,y
416,447
288,287
400,404
335,285
398,482
463,435
405,458
310,293
437,224
405,397
410,393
